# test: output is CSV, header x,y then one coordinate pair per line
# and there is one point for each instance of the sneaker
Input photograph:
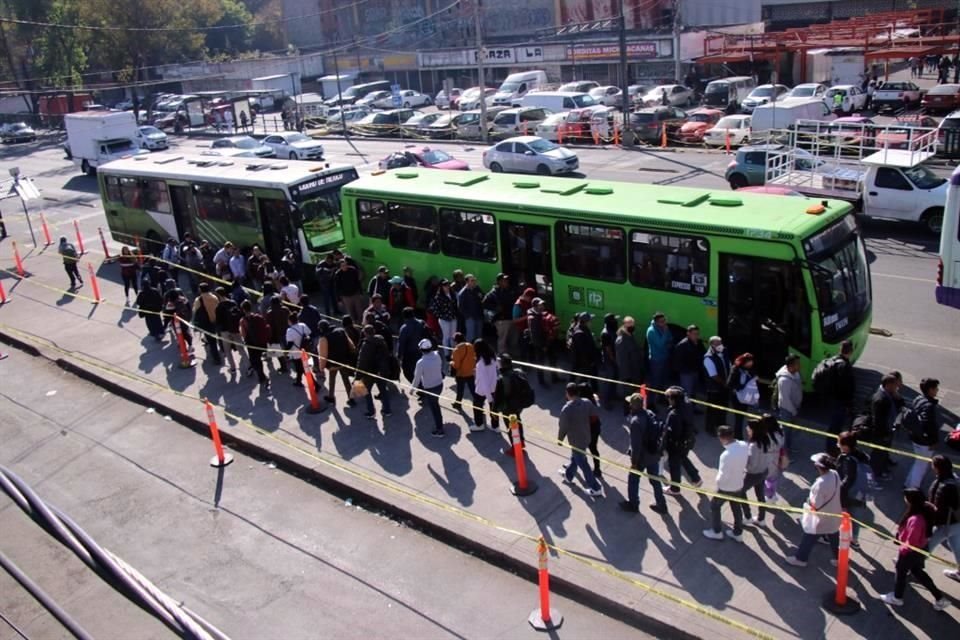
x,y
713,535
823,540
941,604
476,428
673,491
736,537
855,544
563,473
370,416
792,560
953,574
629,507
662,510
386,414
438,433
892,600
698,484
757,522
596,493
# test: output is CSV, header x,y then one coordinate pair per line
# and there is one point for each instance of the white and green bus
x,y
277,204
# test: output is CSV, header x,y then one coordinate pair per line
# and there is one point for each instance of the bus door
x,y
278,232
526,258
763,310
184,210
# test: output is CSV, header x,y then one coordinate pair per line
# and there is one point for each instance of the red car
x,y
901,133
943,98
697,124
425,157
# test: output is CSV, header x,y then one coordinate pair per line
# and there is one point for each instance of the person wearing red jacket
x,y
399,297
914,533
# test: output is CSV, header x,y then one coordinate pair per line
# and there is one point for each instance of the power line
x,y
252,23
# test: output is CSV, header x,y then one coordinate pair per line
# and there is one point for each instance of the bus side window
x,y
669,262
242,209
155,196
468,234
371,218
130,192
413,227
113,189
590,251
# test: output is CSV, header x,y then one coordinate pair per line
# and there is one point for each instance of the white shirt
x,y
296,334
486,378
238,266
429,371
733,466
291,292
708,363
222,257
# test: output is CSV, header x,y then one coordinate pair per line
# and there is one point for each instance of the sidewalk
x,y
394,461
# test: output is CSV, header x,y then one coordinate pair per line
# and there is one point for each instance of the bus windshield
x,y
318,200
838,265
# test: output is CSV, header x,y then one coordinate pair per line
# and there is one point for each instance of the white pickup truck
x,y
882,183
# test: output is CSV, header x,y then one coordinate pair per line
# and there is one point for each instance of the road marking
x,y
939,347
890,275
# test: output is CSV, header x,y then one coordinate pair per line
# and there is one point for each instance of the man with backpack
x,y
373,357
70,258
881,418
542,327
205,318
470,304
923,427
412,331
498,307
833,381
256,334
512,395
575,428
583,349
227,319
681,438
647,442
856,478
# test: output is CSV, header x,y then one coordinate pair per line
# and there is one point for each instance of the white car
x,y
579,86
549,128
408,99
853,98
608,95
470,99
294,145
677,95
372,97
152,138
808,90
737,126
762,95
240,146
530,154
445,99
896,96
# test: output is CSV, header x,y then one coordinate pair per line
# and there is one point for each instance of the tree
x,y
231,40
60,54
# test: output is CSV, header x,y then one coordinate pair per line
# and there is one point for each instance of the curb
x,y
443,534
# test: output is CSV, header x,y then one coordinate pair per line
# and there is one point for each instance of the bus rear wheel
x,y
932,220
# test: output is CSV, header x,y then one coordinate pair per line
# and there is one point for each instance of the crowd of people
x,y
370,332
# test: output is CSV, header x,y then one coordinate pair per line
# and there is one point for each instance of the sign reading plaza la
x,y
493,56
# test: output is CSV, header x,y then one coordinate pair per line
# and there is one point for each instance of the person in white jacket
x,y
789,394
824,499
730,476
485,380
764,452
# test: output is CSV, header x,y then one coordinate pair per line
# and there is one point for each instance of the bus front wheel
x,y
932,220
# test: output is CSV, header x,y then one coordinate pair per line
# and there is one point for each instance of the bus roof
x,y
268,173
694,209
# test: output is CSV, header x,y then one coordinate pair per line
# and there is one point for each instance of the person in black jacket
x,y
681,438
150,304
498,307
228,317
852,465
584,351
371,359
411,333
928,429
883,413
841,390
688,361
379,283
945,496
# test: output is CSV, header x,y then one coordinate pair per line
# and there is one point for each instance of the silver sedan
x,y
530,154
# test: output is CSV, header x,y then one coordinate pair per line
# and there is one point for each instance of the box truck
x,y
97,137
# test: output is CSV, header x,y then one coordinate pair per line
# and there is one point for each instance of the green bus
x,y
770,274
277,204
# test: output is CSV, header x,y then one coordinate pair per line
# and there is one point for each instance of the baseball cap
x,y
383,269
396,280
586,316
425,345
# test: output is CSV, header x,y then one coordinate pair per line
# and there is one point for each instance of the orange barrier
x,y
728,141
103,243
643,394
311,387
544,618
616,136
3,294
523,486
186,361
663,137
560,129
18,261
221,459
94,284
46,231
837,601
76,227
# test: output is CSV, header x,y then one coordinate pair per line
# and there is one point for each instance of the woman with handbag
x,y
821,512
913,533
742,382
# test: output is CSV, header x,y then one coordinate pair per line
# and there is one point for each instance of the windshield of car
x,y
834,92
895,86
700,117
762,92
245,143
943,90
149,131
717,87
509,87
729,123
319,207
297,137
923,178
841,278
643,116
586,100
436,157
803,92
556,118
542,146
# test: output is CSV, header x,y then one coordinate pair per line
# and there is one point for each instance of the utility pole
x,y
478,22
336,72
677,77
624,75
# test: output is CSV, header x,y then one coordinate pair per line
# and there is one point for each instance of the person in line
x,y
444,308
349,290
289,292
411,333
944,494
688,361
379,283
278,316
238,266
730,475
508,397
629,360
645,441
458,282
324,272
372,358
608,358
228,317
170,255
256,333
542,329
221,261
485,383
680,439
518,313
470,304
337,352
297,338
70,259
745,396
205,318
583,350
175,304
498,308
777,440
913,532
763,453
926,430
399,297
378,310
149,303
659,351
575,428
129,268
717,367
428,374
463,364
853,466
837,389
821,512
788,395
882,418
586,391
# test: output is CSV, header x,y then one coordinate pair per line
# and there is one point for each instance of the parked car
x,y
854,99
772,190
906,129
425,157
852,133
470,99
152,138
350,115
295,146
549,129
579,86
698,121
522,120
895,96
468,126
749,168
809,90
447,100
243,146
530,154
408,99
677,95
636,93
762,95
736,126
648,124
941,98
607,95
371,98
383,122
18,132
444,127
418,124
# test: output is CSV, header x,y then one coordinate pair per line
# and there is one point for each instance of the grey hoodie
x,y
789,390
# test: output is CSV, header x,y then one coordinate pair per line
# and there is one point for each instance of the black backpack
x,y
825,375
910,419
521,393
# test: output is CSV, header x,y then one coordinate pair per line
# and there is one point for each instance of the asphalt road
x,y
258,553
923,340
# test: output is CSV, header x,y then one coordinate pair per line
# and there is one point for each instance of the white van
x,y
516,86
783,114
558,100
727,93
